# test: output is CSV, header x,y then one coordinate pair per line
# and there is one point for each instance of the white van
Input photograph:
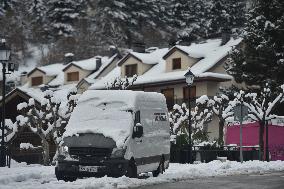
x,y
115,133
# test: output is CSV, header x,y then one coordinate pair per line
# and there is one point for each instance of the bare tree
x,y
121,83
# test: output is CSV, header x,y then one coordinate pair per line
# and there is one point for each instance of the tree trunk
x,y
261,142
221,132
45,146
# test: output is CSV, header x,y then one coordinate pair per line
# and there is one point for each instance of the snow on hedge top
x,y
106,112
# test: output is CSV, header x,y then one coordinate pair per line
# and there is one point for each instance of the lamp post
x,y
189,77
4,58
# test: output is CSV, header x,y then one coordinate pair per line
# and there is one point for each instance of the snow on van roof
x,y
106,112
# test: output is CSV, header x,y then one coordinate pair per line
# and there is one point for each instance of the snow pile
x,y
27,146
36,176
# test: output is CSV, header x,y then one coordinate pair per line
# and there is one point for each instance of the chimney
x,y
23,78
112,50
225,36
138,47
172,42
98,62
69,57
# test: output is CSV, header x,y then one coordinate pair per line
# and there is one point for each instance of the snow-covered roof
x,y
147,58
198,50
87,64
52,69
211,52
106,61
60,93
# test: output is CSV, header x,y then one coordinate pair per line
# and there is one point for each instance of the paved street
x,y
265,181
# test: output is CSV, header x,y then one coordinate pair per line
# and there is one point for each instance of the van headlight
x,y
63,150
117,153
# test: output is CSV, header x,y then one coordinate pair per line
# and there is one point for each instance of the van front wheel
x,y
161,168
132,169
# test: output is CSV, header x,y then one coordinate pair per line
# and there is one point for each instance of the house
x,y
45,75
163,70
24,134
106,65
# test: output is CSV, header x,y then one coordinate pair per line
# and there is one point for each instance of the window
x,y
130,70
37,81
176,63
169,94
192,93
73,76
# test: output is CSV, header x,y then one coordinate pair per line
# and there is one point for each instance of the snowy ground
x,y
37,176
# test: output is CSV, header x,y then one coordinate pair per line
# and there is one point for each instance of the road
x,y
255,181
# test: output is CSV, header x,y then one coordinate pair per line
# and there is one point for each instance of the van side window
x,y
137,117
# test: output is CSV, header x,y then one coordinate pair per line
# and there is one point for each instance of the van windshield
x,y
112,119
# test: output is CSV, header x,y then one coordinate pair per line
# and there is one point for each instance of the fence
x,y
179,154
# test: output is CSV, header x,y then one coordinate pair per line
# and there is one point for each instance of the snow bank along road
x,y
37,176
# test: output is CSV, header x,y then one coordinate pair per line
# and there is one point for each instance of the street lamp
x,y
4,58
189,77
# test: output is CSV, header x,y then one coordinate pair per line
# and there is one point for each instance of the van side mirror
x,y
137,131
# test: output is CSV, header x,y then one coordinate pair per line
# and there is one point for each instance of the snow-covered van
x,y
115,133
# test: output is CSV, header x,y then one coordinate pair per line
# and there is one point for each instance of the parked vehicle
x,y
115,133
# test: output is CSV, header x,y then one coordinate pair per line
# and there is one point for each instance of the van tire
x,y
160,169
60,176
131,169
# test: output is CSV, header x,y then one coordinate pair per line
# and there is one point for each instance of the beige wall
x,y
83,87
202,88
218,68
82,74
37,73
185,61
213,128
141,67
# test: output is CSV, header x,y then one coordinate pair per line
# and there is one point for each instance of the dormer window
x,y
176,63
37,81
73,76
130,70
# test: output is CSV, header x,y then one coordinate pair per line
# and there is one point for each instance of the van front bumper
x,y
112,167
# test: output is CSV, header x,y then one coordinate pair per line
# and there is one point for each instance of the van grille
x,y
90,151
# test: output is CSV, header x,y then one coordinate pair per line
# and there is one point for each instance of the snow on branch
x,y
121,83
261,106
48,119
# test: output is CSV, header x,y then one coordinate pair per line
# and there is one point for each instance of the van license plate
x,y
92,169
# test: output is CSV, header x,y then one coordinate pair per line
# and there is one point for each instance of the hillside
x,y
88,27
